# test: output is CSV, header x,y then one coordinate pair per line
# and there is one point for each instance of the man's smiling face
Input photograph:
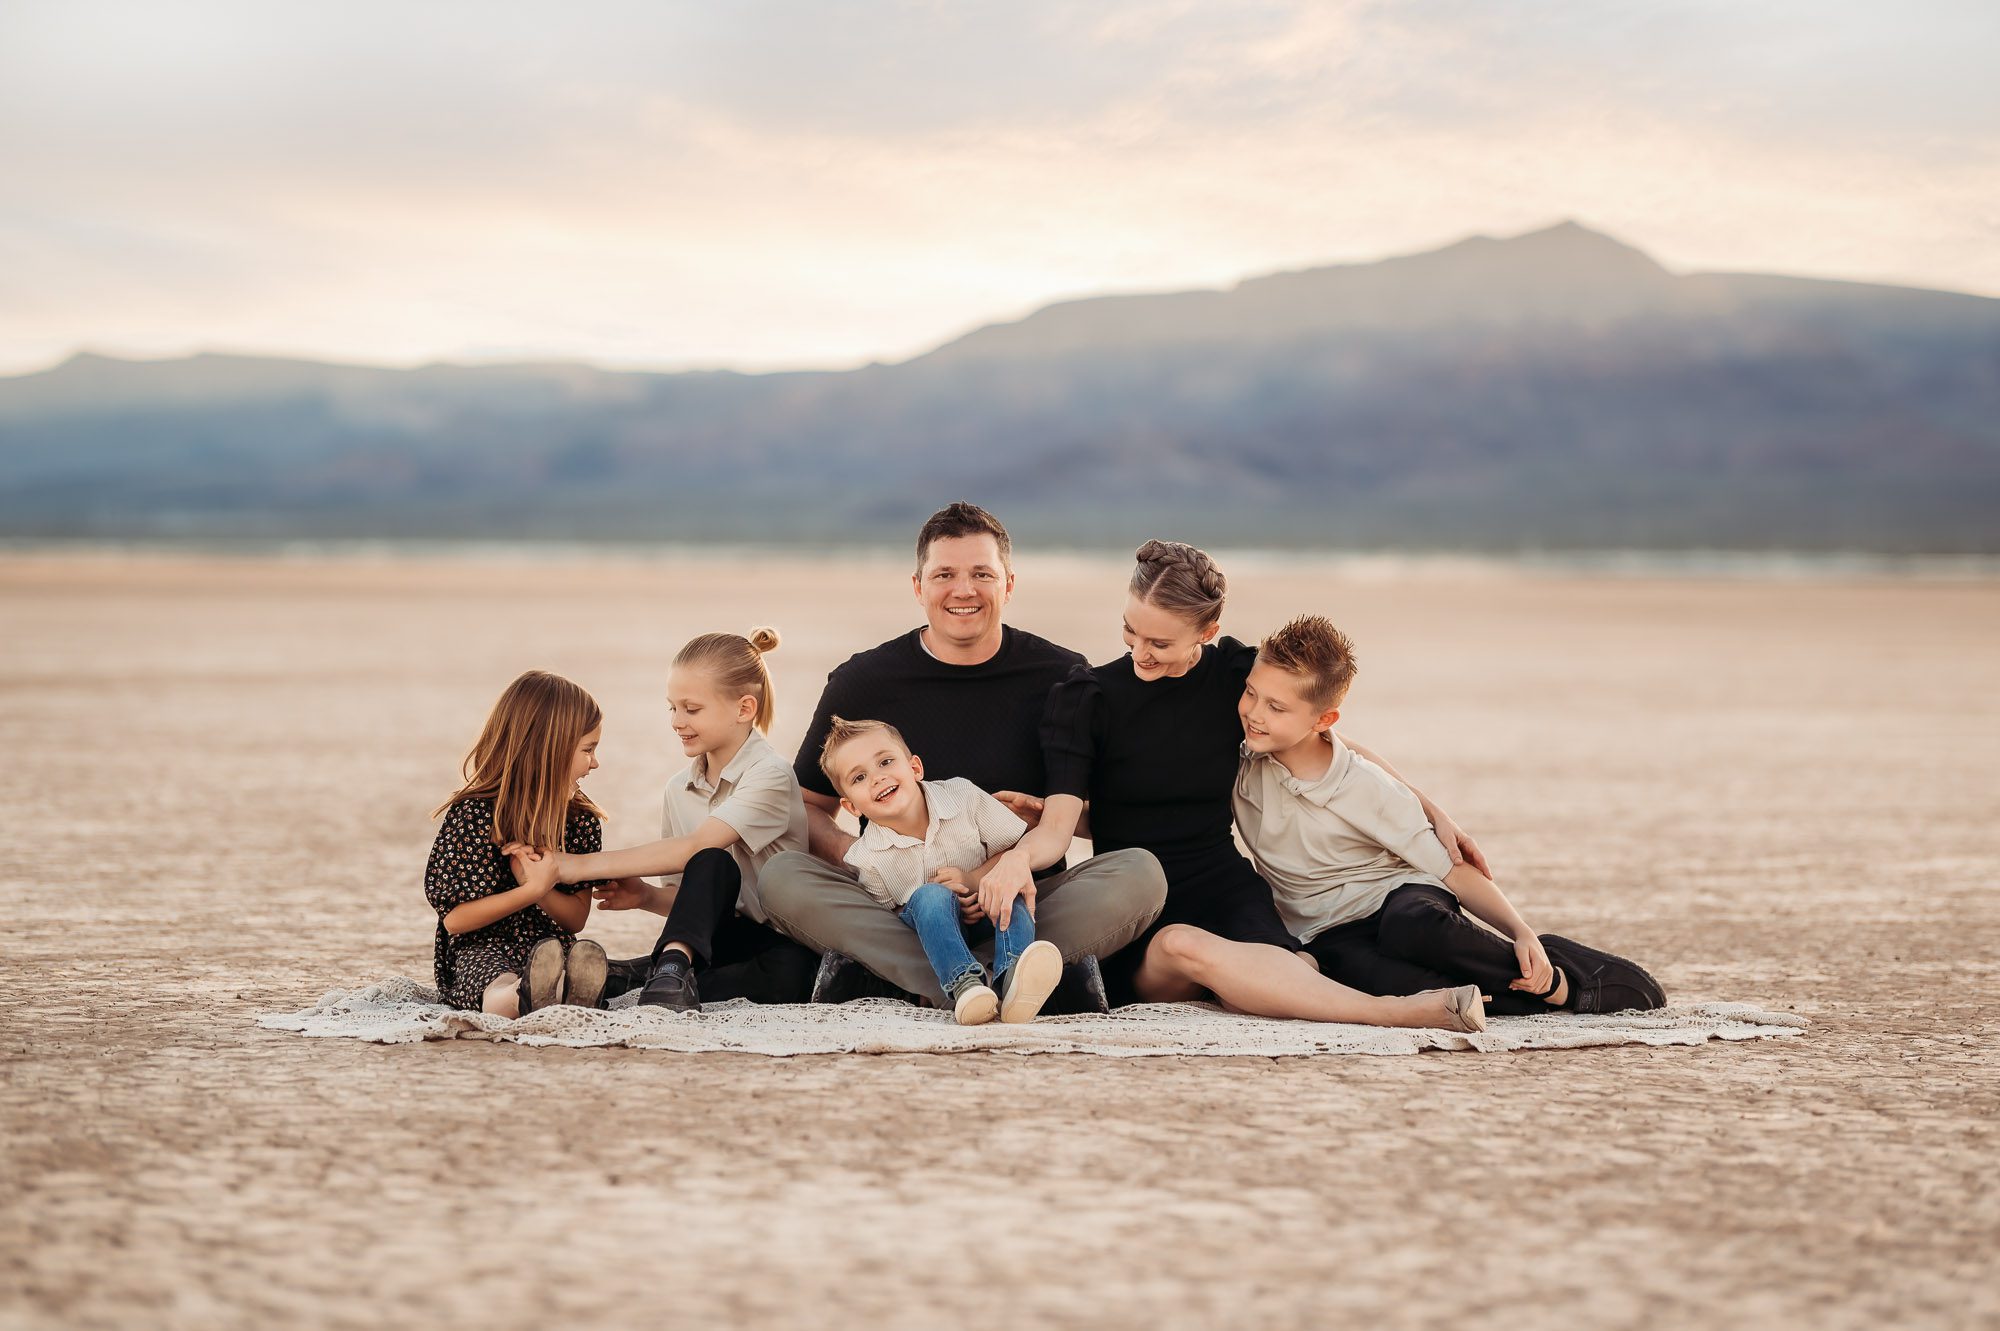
x,y
962,586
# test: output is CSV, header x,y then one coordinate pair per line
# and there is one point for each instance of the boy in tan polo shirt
x,y
1356,871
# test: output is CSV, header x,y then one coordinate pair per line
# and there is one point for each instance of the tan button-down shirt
x,y
967,828
1334,848
757,795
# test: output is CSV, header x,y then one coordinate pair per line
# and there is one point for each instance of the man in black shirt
x,y
967,692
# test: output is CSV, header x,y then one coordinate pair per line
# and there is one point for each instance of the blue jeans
x,y
932,911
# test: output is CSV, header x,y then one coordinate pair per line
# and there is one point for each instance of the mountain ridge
x,y
1567,242
1551,389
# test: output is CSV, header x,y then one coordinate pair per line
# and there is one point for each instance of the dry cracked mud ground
x,y
217,779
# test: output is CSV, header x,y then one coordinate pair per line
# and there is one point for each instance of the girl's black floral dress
x,y
466,865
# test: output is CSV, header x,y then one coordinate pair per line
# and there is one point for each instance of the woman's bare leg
x,y
1267,981
502,997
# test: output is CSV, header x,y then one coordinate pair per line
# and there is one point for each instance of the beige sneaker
x,y
1032,978
972,1003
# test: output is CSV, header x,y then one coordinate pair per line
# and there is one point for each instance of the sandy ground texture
x,y
216,784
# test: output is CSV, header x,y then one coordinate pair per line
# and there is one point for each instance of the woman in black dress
x,y
1151,740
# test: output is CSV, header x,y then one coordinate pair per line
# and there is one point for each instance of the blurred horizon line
x,y
1695,564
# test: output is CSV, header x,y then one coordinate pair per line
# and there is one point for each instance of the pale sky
x,y
764,185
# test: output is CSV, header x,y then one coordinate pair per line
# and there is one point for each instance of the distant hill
x,y
1557,389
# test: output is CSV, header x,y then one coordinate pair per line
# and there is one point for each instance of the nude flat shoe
x,y
1465,1008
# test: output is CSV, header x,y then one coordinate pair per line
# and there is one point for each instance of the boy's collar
x,y
939,804
1337,763
698,778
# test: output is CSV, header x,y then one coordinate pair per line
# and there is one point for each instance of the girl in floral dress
x,y
506,934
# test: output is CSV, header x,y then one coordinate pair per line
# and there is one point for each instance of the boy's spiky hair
x,y
840,730
1317,652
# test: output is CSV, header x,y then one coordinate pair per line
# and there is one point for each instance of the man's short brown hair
x,y
1311,648
963,519
840,730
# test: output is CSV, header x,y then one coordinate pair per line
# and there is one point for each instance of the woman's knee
x,y
1184,949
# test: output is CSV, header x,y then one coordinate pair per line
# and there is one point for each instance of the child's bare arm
x,y
569,909
1483,897
669,855
537,881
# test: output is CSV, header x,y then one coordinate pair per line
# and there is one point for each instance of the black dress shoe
x,y
842,979
1600,982
622,977
672,986
1081,989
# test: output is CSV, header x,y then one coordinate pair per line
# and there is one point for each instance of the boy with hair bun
x,y
1357,872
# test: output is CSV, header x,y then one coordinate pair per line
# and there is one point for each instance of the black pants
x,y
1422,939
735,957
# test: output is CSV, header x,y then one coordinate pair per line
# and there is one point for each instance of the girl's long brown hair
x,y
522,760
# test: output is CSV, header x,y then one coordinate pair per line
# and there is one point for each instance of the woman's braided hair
x,y
1179,578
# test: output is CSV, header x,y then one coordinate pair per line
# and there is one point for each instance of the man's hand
x,y
1025,807
624,894
1458,843
1537,973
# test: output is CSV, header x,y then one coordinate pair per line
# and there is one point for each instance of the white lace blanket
x,y
401,1011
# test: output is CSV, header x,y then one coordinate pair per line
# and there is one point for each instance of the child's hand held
x,y
622,894
538,873
1537,972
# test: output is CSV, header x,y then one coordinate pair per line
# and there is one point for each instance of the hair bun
x,y
1153,552
764,639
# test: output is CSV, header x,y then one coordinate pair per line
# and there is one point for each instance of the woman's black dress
x,y
1157,762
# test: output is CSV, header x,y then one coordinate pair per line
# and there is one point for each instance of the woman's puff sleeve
x,y
1072,732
